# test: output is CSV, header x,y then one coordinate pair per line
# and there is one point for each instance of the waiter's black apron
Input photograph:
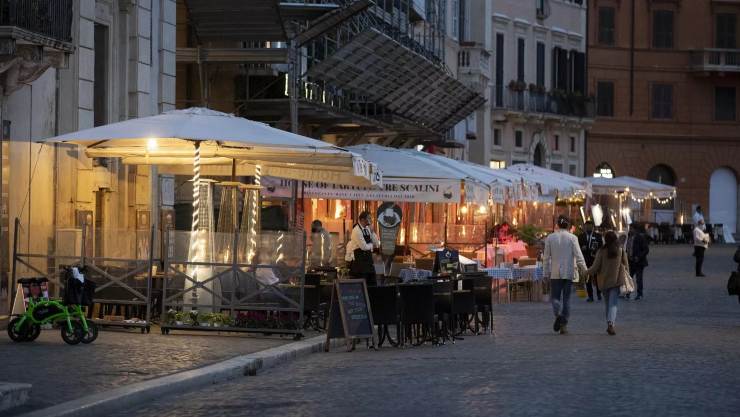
x,y
363,263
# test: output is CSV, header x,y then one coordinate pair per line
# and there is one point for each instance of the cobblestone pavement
x,y
59,372
677,353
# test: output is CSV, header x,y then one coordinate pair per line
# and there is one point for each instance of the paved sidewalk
x,y
59,372
677,353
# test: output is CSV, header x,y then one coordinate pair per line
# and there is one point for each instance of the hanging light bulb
x,y
482,209
464,209
152,145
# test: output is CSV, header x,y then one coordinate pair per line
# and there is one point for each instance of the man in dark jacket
x,y
590,242
637,251
736,258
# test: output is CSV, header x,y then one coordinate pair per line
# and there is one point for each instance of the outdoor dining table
x,y
413,274
530,277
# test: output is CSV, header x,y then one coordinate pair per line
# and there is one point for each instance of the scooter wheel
x,y
74,336
92,332
18,334
33,333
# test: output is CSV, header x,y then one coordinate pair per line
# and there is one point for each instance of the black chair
x,y
483,303
463,306
312,302
443,309
688,233
417,312
384,305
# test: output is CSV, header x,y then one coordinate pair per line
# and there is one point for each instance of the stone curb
x,y
118,399
13,395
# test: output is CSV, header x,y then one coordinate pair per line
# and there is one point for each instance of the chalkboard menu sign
x,y
350,316
447,261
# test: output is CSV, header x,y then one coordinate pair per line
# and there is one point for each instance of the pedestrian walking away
x,y
701,243
637,252
610,265
360,250
590,242
562,260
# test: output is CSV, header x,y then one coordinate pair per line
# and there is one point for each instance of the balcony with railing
x,y
538,102
41,22
715,60
475,59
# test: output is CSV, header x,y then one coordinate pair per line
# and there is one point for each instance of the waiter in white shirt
x,y
360,250
698,215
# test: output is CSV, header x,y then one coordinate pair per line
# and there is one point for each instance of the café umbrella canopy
x,y
417,172
553,183
226,145
636,187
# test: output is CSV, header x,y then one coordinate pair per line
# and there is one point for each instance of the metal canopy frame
x,y
237,20
407,83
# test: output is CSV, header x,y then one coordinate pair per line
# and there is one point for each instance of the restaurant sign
x,y
424,191
389,219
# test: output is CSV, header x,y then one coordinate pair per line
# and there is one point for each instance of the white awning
x,y
638,188
169,140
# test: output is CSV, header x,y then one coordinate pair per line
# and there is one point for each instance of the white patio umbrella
x,y
170,140
553,182
637,187
416,176
199,141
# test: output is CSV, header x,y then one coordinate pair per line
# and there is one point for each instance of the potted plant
x,y
194,317
205,319
532,236
180,318
517,86
170,316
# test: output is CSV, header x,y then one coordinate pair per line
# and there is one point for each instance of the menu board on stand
x,y
350,316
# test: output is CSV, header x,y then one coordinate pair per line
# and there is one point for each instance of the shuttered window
x,y
726,31
605,98
606,25
662,95
725,103
662,29
540,64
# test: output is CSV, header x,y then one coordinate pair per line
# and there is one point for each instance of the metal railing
x,y
713,59
527,101
51,18
475,58
394,24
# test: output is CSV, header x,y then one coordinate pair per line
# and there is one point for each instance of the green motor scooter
x,y
68,316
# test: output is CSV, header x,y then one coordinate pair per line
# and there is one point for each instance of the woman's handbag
x,y
629,283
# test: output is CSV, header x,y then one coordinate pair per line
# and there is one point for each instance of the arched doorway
x,y
723,199
539,155
604,170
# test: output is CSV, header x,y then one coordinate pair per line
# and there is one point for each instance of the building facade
x,y
69,65
666,76
538,100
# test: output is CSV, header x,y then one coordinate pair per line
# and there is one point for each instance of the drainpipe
x,y
632,59
585,89
56,154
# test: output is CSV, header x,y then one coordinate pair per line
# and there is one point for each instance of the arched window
x,y
604,170
662,174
